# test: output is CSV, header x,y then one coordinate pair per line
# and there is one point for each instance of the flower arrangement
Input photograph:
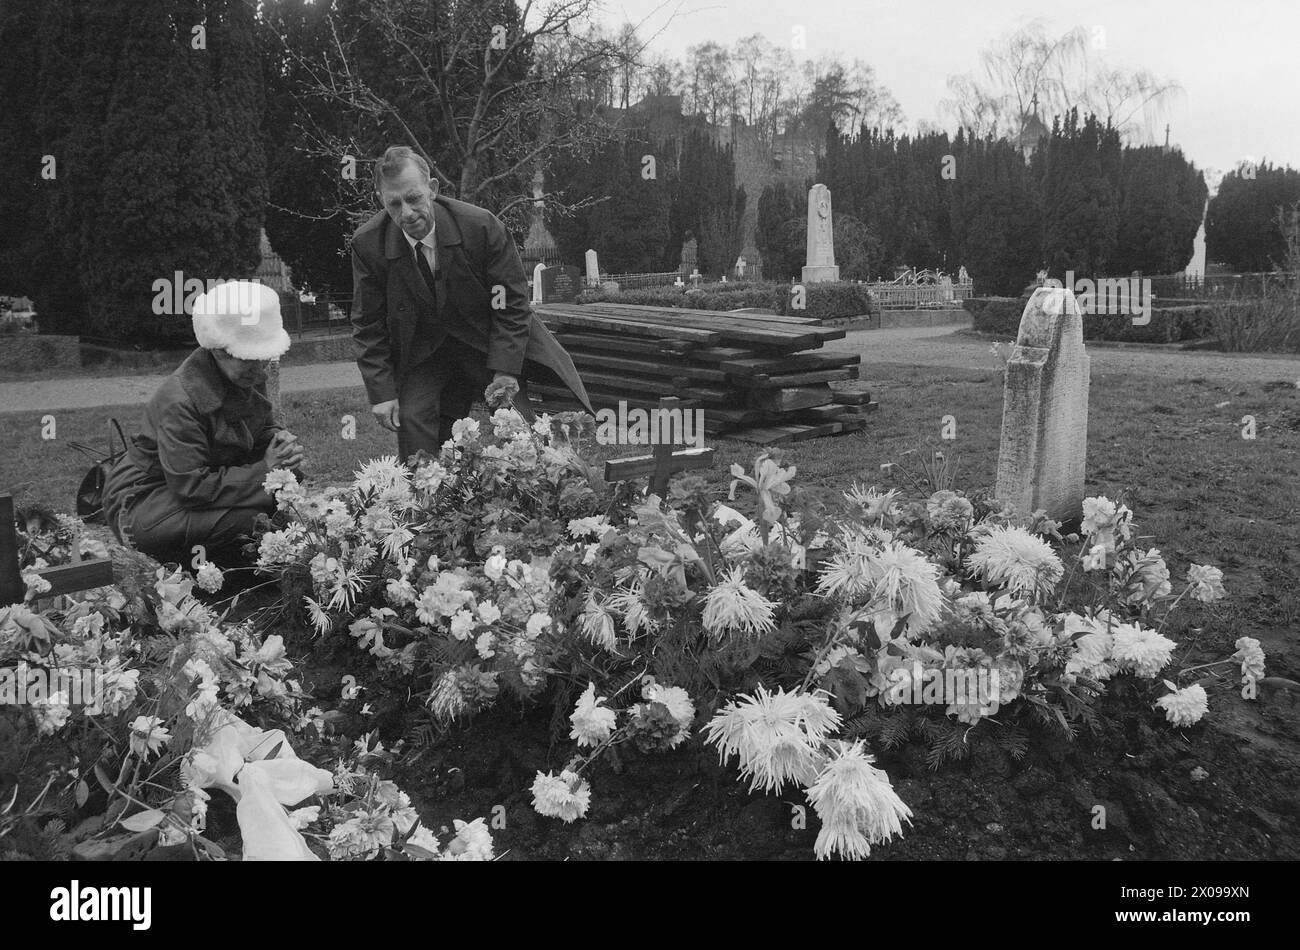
x,y
794,635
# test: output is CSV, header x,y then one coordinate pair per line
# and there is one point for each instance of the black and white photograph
x,y
651,431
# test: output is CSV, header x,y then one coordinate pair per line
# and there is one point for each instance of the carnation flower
x,y
1185,707
429,477
473,842
1092,650
300,818
51,713
537,623
777,737
1206,584
947,509
360,837
444,597
679,705
484,644
1251,657
1011,557
731,605
592,722
463,623
1143,577
856,804
464,430
1144,651
282,485
426,841
566,797
209,577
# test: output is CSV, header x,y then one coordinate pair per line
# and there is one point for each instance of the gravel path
x,y
925,346
938,346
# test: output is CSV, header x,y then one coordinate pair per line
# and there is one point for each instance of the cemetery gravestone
x,y
821,239
1045,410
538,271
593,269
560,284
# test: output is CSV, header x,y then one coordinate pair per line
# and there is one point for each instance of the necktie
x,y
422,262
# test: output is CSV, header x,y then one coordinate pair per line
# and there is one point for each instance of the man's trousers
x,y
438,391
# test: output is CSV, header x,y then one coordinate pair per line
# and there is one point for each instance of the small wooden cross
x,y
65,579
663,462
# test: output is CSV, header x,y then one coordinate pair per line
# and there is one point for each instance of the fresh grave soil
x,y
1136,789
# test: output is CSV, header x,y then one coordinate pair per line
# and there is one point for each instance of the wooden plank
x,y
69,578
716,354
862,410
849,397
639,466
621,344
569,315
635,386
726,328
831,412
603,361
763,381
719,317
771,435
794,362
12,588
749,312
787,400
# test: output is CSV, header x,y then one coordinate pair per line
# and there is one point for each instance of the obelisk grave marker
x,y
821,238
1045,410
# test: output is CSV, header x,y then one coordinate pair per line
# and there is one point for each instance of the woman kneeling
x,y
193,475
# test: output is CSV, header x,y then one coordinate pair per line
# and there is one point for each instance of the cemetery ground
x,y
1166,444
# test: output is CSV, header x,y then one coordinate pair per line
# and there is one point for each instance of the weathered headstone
x,y
273,390
538,271
593,269
1045,409
821,238
560,284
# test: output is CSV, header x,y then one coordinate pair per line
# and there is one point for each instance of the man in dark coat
x,y
440,309
193,474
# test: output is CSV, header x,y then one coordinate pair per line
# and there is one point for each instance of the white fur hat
x,y
241,317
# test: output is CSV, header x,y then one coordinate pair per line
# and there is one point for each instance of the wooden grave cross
x,y
65,579
663,462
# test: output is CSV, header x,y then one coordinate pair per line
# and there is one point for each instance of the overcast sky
x,y
1238,62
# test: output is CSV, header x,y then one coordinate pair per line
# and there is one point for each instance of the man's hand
x,y
386,413
285,451
502,391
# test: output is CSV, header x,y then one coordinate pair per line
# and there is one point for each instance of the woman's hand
x,y
285,451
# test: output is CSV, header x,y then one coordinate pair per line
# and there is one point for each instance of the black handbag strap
x,y
122,436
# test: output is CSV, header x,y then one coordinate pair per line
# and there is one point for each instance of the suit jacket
x,y
201,438
475,253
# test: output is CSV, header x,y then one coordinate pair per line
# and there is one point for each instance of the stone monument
x,y
1045,410
593,269
821,238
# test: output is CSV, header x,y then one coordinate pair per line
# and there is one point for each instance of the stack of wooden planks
x,y
758,377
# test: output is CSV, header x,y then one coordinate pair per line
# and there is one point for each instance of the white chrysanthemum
x,y
1011,557
1206,583
906,584
282,485
679,705
731,605
593,527
598,623
777,737
847,573
856,803
473,842
1143,651
1185,707
1251,657
536,625
426,841
592,722
636,615
443,597
566,797
876,504
381,473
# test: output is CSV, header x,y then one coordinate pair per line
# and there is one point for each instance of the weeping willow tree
x,y
1028,77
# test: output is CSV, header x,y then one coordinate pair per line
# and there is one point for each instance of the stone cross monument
x,y
821,238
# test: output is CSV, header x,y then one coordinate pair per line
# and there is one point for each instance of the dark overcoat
x,y
475,255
